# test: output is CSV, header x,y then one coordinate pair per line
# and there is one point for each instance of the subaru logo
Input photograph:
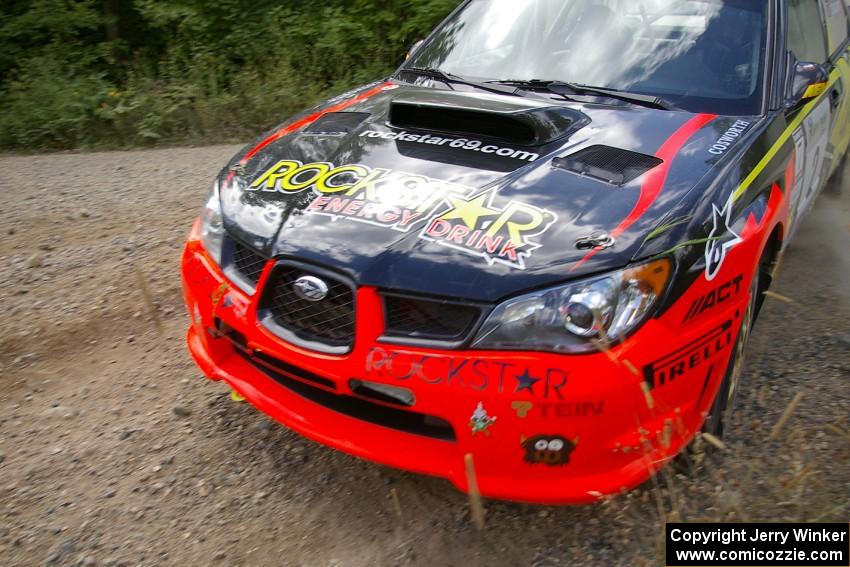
x,y
310,288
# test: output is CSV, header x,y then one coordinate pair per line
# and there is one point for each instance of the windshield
x,y
700,55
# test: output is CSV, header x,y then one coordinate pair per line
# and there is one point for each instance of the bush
x,y
94,73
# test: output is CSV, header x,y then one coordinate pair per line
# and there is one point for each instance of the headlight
x,y
212,225
578,316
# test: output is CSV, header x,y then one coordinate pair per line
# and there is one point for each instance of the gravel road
x,y
115,451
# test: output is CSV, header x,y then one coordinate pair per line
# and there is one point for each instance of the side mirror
x,y
413,48
809,80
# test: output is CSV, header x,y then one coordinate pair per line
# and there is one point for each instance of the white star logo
x,y
721,239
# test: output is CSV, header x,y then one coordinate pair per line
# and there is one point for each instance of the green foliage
x,y
91,73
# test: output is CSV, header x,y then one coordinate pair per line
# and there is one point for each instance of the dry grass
x,y
396,505
714,441
786,415
476,506
778,297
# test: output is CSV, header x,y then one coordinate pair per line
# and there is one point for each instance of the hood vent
x,y
518,122
336,123
604,163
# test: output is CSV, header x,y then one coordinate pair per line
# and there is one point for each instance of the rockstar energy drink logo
x,y
452,214
476,226
391,199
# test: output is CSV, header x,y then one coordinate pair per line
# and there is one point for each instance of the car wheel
x,y
692,456
725,400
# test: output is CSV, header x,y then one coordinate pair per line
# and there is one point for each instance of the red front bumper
x,y
619,430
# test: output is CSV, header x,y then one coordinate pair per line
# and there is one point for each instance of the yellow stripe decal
x,y
814,90
784,137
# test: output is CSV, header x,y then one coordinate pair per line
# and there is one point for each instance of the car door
x,y
837,36
813,139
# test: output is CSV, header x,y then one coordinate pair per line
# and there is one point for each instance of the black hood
x,y
464,194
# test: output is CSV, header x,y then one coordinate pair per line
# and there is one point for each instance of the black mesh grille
x,y
329,321
427,319
248,263
608,164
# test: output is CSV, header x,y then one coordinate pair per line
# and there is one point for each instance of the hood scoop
x,y
605,163
518,121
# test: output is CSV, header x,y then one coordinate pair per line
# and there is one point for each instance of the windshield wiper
x,y
451,79
557,87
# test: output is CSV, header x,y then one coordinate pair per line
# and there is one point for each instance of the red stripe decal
x,y
312,118
654,181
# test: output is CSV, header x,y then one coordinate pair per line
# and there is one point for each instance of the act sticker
x,y
717,296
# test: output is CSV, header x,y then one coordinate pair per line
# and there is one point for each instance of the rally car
x,y
538,248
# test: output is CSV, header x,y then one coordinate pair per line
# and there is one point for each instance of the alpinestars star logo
x,y
721,239
474,225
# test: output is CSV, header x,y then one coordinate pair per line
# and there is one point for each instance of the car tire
x,y
724,402
693,455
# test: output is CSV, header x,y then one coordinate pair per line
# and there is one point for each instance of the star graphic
x,y
469,211
721,239
525,382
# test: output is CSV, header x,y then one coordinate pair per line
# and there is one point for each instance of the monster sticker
x,y
480,422
551,450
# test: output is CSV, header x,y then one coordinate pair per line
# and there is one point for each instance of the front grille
x,y
428,319
327,322
364,410
248,263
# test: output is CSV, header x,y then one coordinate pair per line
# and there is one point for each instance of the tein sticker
x,y
446,213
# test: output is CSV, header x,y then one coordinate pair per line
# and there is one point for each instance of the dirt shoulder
x,y
114,450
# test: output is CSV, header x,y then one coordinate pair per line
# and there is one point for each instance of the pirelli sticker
x,y
448,214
